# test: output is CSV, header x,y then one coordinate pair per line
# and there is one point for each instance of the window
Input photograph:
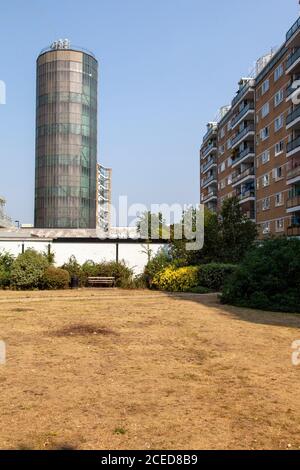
x,y
266,204
278,98
229,162
265,87
278,72
278,124
222,167
278,199
277,173
222,133
265,157
279,147
222,149
229,180
264,133
229,144
223,184
266,228
229,125
280,225
265,110
266,180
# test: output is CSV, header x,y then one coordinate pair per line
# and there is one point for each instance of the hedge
x,y
214,275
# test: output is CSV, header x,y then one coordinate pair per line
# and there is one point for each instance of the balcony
x,y
293,88
293,62
244,175
210,133
247,196
212,162
249,108
243,93
212,195
293,175
241,136
293,231
293,147
293,119
247,154
209,149
210,180
293,204
292,36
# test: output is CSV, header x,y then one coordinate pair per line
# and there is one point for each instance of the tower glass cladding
x,y
66,138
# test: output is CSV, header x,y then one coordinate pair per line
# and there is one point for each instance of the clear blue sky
x,y
166,66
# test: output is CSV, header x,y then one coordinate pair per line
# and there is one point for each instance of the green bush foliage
x,y
6,262
268,278
214,275
155,265
28,270
55,278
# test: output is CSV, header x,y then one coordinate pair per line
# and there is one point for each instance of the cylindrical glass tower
x,y
66,138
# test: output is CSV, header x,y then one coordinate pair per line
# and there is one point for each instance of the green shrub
x,y
155,265
28,270
177,280
268,278
214,275
75,270
55,278
6,262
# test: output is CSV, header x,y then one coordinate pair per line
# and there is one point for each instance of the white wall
x,y
134,254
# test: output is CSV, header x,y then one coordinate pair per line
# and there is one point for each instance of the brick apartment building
x,y
252,151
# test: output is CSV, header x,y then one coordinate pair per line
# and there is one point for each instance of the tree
x,y
153,226
237,232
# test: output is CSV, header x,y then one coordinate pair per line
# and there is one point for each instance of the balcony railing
x,y
248,107
293,201
246,195
210,132
293,116
293,58
210,163
291,89
243,133
209,149
243,154
293,145
209,196
209,179
242,92
293,231
293,30
239,176
293,173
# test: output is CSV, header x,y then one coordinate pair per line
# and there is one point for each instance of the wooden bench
x,y
102,281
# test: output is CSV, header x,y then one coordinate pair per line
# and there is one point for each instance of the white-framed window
x,y
266,204
222,133
277,173
265,157
278,123
278,72
222,149
266,180
223,184
278,199
264,133
278,98
229,162
266,228
265,87
265,110
229,144
222,167
229,180
279,147
229,126
279,225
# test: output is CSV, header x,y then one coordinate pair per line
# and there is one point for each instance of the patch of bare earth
x,y
112,369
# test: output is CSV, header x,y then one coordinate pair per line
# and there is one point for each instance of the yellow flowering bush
x,y
177,280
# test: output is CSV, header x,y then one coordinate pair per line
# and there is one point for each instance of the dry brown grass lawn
x,y
111,369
